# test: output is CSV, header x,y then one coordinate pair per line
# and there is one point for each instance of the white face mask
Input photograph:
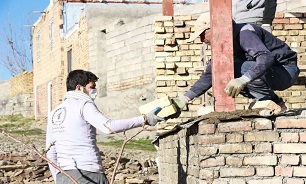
x,y
93,94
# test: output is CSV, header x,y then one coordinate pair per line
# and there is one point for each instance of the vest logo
x,y
59,116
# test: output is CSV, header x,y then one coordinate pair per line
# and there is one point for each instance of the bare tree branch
x,y
15,52
125,141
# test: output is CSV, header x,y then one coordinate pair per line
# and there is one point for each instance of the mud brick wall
x,y
130,50
176,60
22,83
261,150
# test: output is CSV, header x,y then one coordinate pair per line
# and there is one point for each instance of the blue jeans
x,y
82,177
279,77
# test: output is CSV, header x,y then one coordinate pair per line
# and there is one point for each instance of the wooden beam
x,y
222,53
168,8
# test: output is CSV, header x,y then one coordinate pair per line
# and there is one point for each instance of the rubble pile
x,y
18,167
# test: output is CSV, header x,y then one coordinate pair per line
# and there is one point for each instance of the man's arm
x,y
201,85
269,12
253,45
93,116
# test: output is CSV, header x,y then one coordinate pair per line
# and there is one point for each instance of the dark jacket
x,y
251,43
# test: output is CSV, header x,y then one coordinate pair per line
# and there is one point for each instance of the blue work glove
x,y
234,86
151,118
180,102
267,27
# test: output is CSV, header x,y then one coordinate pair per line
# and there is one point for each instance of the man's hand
x,y
267,27
234,86
180,102
151,118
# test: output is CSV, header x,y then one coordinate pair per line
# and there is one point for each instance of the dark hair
x,y
80,77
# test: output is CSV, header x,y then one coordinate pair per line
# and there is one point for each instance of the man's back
x,y
75,139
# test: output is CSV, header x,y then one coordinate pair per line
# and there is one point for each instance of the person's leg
x,y
258,88
81,176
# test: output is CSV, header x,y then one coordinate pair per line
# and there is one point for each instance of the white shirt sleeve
x,y
92,115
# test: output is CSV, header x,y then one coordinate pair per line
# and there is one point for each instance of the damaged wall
x,y
253,151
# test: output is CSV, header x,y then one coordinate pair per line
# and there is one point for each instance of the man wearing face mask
x,y
72,126
262,64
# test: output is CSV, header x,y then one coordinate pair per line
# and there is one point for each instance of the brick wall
x,y
21,84
77,42
48,65
176,59
130,50
253,151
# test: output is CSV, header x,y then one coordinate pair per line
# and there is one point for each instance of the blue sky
x,y
20,13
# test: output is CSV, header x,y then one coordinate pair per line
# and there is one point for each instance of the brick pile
x,y
176,59
20,167
253,151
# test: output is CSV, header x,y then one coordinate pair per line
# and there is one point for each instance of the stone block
x,y
264,171
235,148
261,136
289,148
237,172
263,148
260,160
165,103
299,171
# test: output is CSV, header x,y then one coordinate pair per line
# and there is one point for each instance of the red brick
x,y
211,139
260,160
233,161
237,172
261,136
294,20
281,21
283,171
289,148
212,162
263,148
235,126
235,148
207,128
290,123
265,171
289,137
184,47
159,48
290,160
299,171
279,15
